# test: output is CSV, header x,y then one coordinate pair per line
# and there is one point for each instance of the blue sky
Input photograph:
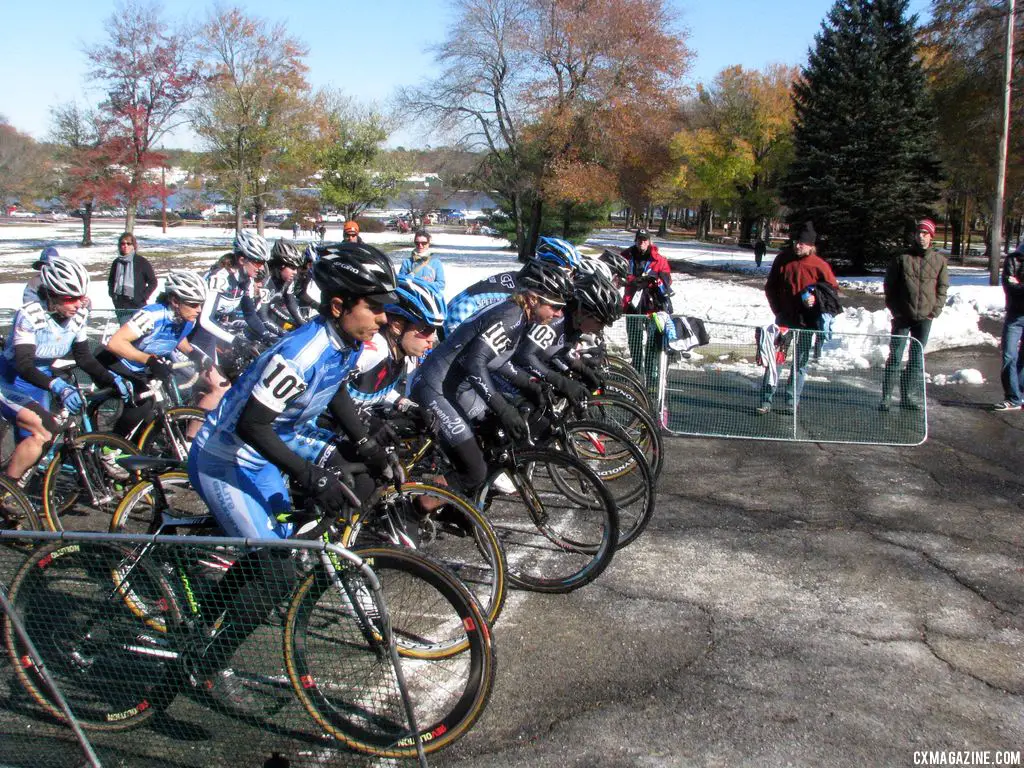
x,y
365,48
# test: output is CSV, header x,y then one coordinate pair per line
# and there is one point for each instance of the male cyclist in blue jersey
x,y
479,296
458,379
44,331
250,442
141,349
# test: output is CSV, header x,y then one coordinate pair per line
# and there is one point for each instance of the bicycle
x,y
80,603
454,532
563,541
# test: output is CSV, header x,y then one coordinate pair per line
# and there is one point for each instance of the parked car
x,y
20,213
334,218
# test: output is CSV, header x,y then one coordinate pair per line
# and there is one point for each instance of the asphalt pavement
x,y
790,604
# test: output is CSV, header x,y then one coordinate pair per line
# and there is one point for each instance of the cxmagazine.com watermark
x,y
967,757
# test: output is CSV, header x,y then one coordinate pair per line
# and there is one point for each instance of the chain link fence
x,y
135,651
849,388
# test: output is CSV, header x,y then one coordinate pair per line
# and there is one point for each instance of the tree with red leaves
x,y
149,74
91,170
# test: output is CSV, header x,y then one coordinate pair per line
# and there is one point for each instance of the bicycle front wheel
x,y
112,669
555,540
16,511
453,532
171,434
84,483
343,674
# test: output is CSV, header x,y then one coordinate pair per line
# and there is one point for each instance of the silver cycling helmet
x,y
62,276
186,285
252,245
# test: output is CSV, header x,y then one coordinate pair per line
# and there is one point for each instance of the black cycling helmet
x,y
615,263
596,296
353,270
287,253
546,280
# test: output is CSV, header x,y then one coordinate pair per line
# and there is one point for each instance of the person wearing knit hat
x,y
916,284
795,269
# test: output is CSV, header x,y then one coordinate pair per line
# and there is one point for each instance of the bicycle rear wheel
x,y
454,533
16,511
343,675
140,511
83,484
113,670
554,541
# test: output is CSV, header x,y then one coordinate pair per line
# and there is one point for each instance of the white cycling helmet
x,y
186,285
252,245
62,276
591,266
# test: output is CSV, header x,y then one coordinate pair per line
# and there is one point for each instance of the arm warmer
x,y
25,365
85,360
256,427
346,415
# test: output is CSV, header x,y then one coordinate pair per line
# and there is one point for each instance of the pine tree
x,y
865,163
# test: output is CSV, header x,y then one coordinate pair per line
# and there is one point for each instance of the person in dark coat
x,y
131,280
760,249
1012,280
795,269
916,283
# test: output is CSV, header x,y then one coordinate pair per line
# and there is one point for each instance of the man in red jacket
x,y
794,271
647,290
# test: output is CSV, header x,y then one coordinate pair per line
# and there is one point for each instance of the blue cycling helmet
x,y
560,253
46,255
418,301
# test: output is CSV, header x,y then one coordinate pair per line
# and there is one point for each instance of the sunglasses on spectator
x,y
422,242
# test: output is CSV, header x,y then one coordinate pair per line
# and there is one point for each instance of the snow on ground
x,y
732,306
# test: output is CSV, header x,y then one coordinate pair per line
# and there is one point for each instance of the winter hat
x,y
642,234
807,235
350,226
926,225
48,253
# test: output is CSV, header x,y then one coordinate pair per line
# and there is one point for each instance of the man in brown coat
x,y
915,292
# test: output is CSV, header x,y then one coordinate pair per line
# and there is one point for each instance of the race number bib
x,y
496,338
279,384
542,335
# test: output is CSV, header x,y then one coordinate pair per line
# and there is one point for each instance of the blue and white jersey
x,y
159,332
478,297
377,374
296,378
52,339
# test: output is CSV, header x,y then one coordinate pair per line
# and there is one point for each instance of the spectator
x,y
915,292
31,292
1013,330
759,251
422,264
794,270
648,290
322,231
295,229
351,232
131,280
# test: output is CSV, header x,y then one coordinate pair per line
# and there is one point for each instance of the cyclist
x,y
238,457
141,349
410,332
281,308
547,350
230,297
550,250
457,381
43,332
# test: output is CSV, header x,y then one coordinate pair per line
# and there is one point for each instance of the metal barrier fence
x,y
720,390
102,633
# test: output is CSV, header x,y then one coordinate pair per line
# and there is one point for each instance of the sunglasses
x,y
551,302
424,333
192,304
422,242
351,234
69,299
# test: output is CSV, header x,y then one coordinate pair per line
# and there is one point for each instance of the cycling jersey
x,y
231,298
378,374
159,332
478,297
457,379
296,378
51,338
279,307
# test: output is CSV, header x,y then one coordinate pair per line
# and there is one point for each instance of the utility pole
x,y
995,252
163,194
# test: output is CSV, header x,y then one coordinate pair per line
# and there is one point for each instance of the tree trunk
x,y
536,212
87,225
663,226
238,209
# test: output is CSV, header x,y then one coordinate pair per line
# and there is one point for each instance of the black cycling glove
x,y
511,420
161,367
327,491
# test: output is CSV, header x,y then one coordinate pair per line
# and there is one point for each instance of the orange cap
x,y
350,226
